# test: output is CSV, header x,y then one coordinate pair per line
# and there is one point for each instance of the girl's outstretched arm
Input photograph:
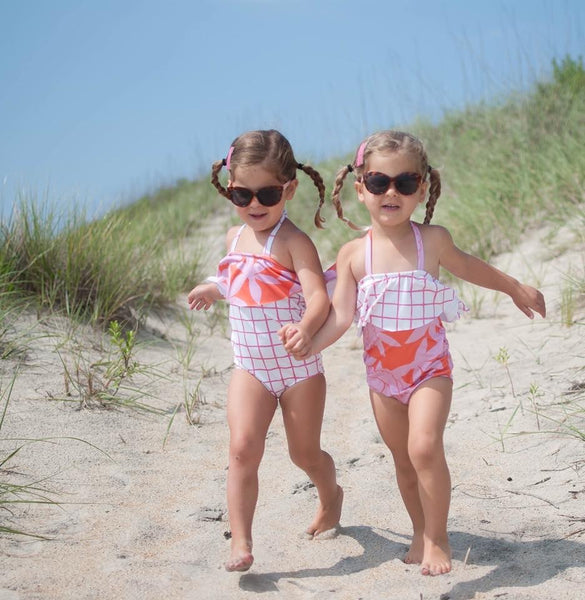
x,y
342,308
476,271
205,294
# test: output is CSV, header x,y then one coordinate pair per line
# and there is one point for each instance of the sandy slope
x,y
148,521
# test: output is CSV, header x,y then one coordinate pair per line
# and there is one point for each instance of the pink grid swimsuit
x,y
400,316
263,295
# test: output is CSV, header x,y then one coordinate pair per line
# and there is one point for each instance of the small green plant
x,y
191,401
572,419
503,431
534,393
503,357
186,352
567,306
124,364
107,382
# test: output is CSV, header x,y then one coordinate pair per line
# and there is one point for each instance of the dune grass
x,y
513,165
506,167
116,268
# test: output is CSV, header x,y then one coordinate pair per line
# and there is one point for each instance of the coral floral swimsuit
x,y
263,296
400,317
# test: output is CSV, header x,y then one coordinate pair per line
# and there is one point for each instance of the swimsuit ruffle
x,y
403,301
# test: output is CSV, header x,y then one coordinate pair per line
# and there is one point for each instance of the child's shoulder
x,y
293,241
351,249
231,234
434,233
355,244
291,234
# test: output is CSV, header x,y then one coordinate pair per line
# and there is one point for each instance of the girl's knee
x,y
425,453
306,459
246,452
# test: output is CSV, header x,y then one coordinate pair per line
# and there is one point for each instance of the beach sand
x,y
139,497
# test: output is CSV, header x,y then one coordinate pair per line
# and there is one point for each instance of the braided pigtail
x,y
434,193
215,169
318,181
339,179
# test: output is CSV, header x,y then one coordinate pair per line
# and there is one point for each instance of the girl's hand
x,y
296,341
527,299
203,296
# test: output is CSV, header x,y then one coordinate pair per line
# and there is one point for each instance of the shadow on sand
x,y
377,550
514,563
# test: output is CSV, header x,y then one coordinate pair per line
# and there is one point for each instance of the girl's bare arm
x,y
476,271
343,304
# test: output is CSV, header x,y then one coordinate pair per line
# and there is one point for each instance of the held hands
x,y
202,296
527,299
295,340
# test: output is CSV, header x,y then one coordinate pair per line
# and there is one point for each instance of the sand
x,y
139,497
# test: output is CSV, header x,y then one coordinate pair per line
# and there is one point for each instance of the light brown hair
x,y
386,142
272,150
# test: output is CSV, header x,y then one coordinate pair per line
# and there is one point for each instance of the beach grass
x,y
507,167
118,267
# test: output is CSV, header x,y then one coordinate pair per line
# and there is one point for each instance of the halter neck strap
x,y
420,252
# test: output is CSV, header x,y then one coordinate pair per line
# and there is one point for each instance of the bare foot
x,y
241,559
415,553
437,559
325,526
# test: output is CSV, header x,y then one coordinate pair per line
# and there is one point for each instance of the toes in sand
x,y
437,561
242,562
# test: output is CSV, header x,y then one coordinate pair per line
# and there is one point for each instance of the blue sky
x,y
103,100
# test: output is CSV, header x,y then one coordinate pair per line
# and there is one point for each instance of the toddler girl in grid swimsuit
x,y
271,276
387,280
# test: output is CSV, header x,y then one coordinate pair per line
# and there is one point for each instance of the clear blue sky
x,y
102,100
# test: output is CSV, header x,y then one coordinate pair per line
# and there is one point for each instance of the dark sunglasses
x,y
267,196
404,183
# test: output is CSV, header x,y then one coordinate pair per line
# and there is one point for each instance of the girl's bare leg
x,y
393,424
250,408
428,411
302,408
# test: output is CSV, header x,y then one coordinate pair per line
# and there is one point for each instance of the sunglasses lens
x,y
407,184
241,196
377,183
269,196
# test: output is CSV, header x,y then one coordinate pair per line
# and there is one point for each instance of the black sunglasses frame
x,y
267,196
402,183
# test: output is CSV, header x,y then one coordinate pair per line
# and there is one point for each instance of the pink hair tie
x,y
229,157
359,159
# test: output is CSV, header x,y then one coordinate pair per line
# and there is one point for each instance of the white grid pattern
x,y
404,300
400,301
258,349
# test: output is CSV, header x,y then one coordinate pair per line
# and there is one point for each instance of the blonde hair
x,y
272,150
386,142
